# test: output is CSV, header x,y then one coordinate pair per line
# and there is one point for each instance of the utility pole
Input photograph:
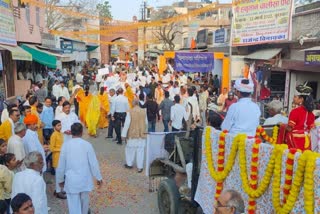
x,y
144,19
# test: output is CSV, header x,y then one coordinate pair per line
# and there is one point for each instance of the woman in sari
x,y
129,94
301,119
93,115
83,98
104,108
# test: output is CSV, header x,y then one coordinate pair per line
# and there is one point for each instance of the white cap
x,y
248,88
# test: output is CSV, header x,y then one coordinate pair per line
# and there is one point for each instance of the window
x,y
185,42
28,14
38,16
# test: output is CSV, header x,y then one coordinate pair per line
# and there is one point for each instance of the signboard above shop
x,y
258,22
7,25
220,36
66,46
312,57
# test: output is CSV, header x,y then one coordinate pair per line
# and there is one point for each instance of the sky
x,y
126,9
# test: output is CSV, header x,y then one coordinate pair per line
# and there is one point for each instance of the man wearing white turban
x,y
243,116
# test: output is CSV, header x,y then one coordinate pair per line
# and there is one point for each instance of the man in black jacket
x,y
152,113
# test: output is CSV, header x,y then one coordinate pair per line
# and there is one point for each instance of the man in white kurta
x,y
243,116
67,118
15,145
134,130
31,140
30,182
63,91
77,165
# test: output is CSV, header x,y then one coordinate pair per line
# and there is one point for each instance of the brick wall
x,y
131,36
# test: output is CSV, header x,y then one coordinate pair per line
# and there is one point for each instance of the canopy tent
x,y
17,53
43,57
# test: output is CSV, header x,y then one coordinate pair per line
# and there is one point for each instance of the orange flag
x,y
193,44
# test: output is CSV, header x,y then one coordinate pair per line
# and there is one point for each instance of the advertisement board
x,y
257,22
7,25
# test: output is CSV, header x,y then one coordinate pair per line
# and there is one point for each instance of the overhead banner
x,y
257,22
312,57
194,62
7,26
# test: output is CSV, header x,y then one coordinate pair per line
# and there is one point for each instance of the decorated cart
x,y
270,177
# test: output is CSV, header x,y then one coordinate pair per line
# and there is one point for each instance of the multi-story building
x,y
21,24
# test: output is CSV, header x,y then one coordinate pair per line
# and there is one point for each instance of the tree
x,y
168,32
62,20
104,10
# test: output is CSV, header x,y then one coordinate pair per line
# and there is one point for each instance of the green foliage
x,y
104,10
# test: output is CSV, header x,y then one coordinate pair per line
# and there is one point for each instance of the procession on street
x,y
197,107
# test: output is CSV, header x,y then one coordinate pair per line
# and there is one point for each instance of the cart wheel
x,y
168,197
186,207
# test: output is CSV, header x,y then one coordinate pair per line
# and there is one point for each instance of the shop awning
x,y
92,47
43,57
316,48
265,54
18,53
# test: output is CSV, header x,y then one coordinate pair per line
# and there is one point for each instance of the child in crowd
x,y
22,204
8,160
3,147
47,116
56,141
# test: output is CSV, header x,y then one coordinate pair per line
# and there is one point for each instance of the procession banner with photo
x,y
194,62
257,22
7,24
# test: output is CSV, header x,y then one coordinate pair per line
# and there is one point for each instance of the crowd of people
x,y
34,132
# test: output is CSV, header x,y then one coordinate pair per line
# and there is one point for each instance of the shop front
x,y
10,85
262,67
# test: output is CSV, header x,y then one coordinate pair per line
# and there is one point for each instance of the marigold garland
x,y
288,173
272,140
221,153
219,176
295,188
309,183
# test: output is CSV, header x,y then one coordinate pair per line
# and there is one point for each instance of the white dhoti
x,y
58,188
78,203
135,147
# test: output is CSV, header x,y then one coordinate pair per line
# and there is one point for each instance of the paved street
x,y
124,191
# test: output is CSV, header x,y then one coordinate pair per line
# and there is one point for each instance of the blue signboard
x,y
312,57
66,46
194,62
220,36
